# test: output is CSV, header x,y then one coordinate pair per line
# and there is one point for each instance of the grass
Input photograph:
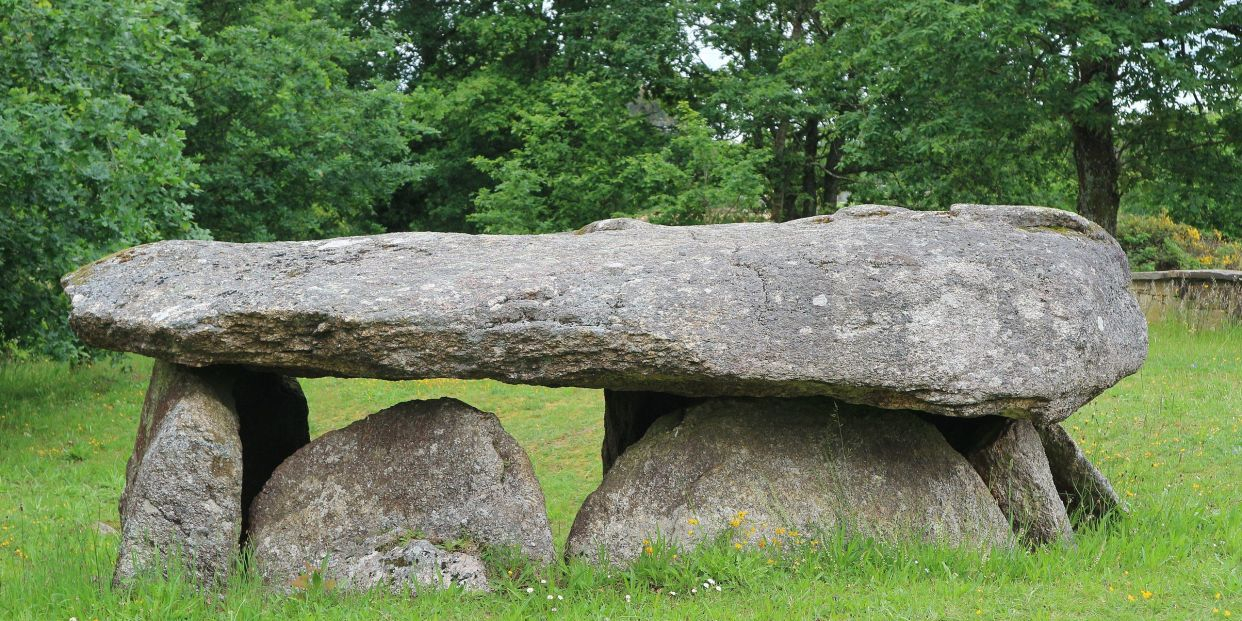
x,y
1168,437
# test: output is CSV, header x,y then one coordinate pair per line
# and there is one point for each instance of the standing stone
x,y
409,496
184,485
1085,490
727,466
1016,471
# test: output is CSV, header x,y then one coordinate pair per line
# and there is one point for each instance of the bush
x,y
1159,243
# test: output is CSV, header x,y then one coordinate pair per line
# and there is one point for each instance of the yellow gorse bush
x,y
1160,243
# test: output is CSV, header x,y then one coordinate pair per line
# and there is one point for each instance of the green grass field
x,y
1168,437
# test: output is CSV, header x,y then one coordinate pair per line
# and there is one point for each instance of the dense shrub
x,y
1159,243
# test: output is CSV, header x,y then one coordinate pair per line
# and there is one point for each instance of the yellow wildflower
x,y
693,521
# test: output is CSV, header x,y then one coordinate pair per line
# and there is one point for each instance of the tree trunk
x,y
831,163
1095,154
808,205
780,181
1098,170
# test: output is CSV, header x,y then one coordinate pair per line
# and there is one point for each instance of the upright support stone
x,y
1016,472
785,470
185,482
406,499
628,414
1085,490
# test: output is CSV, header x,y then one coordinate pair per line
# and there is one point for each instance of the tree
x,y
290,144
1108,76
760,97
583,158
92,114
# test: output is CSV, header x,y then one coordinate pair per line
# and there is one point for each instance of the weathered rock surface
x,y
979,310
1016,471
184,485
401,496
401,566
808,465
1084,489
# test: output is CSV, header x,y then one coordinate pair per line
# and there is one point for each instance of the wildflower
x,y
1146,594
693,521
694,591
560,597
672,592
554,609
1227,613
737,545
649,550
530,590
710,581
627,597
1130,597
542,581
735,522
549,597
717,587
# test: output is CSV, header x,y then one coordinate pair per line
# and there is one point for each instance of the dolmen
x,y
878,373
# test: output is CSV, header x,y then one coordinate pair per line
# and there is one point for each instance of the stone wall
x,y
1201,295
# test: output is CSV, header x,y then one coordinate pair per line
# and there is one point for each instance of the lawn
x,y
1168,437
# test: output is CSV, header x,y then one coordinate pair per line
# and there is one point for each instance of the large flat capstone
x,y
979,310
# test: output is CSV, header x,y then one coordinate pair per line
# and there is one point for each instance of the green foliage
x,y
289,148
1160,243
472,118
584,158
93,106
139,120
999,98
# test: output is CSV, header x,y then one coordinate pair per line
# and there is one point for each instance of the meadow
x,y
1168,437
